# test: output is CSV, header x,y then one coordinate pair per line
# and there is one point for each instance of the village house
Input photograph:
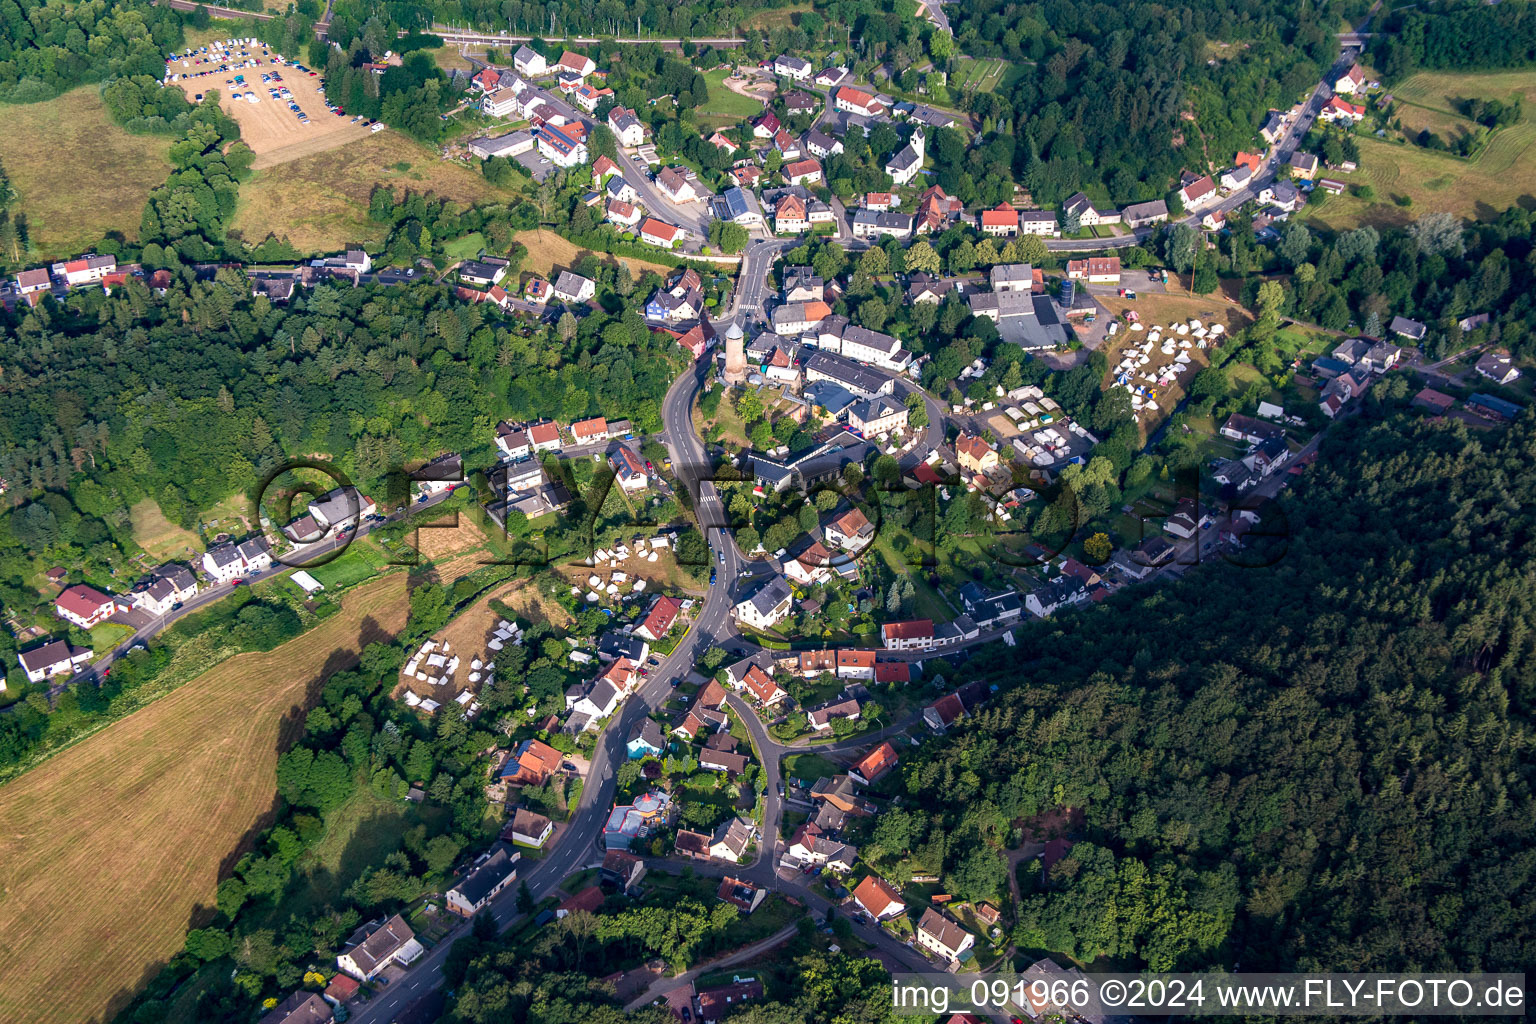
x,y
674,184
878,898
587,97
1039,222
163,589
573,288
623,214
530,829
974,454
84,606
767,606
909,635
629,471
1236,178
1000,221
874,765
1140,215
1061,592
530,62
1406,328
626,127
1338,110
1095,270
622,870
491,874
660,233
300,1008
811,847
802,172
562,145
576,64
392,942
1303,165
1350,81
942,935
1195,190
54,658
945,711
857,101
821,718
742,895
730,840
531,764
796,68
1497,366
1088,215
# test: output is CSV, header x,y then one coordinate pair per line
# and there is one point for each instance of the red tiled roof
x,y
589,428
82,600
893,672
1201,186
877,762
799,167
999,216
659,229
589,899
909,630
875,895
663,614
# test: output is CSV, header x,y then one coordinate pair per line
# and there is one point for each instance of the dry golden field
x,y
110,849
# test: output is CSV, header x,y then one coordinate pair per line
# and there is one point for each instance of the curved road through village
x,y
577,844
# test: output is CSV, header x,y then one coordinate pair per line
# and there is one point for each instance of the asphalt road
x,y
208,593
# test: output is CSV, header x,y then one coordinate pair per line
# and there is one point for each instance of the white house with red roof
x,y
1338,109
1350,81
658,232
857,101
878,898
658,621
86,269
576,64
623,214
587,97
587,431
913,634
1197,190
85,606
1001,220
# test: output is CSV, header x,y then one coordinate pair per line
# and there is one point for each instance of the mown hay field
x,y
109,850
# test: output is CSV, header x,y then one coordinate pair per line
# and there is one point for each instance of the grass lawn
x,y
359,562
1478,189
320,202
779,17
466,248
108,635
1445,90
810,767
926,602
984,74
549,253
142,816
111,172
160,538
723,102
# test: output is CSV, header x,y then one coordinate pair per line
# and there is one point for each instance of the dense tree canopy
x,y
1320,764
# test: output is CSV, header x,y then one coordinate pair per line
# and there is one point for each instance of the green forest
x,y
1324,764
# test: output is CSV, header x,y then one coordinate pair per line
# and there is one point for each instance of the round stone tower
x,y
735,354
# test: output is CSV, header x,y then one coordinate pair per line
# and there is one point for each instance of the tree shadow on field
x,y
290,729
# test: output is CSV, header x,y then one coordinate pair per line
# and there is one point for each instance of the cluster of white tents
x,y
1146,373
435,663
